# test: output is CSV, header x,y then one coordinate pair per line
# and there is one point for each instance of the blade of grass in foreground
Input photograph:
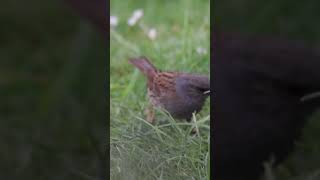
x,y
129,88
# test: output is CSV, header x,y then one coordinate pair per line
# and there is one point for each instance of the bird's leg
x,y
150,113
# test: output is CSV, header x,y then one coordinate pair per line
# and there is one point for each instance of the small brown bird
x,y
181,94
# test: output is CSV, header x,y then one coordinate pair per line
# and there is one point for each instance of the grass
x,y
139,150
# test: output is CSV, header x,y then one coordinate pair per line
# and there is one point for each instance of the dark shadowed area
x,y
260,75
53,93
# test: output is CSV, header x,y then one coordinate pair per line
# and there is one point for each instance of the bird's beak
x,y
206,92
310,96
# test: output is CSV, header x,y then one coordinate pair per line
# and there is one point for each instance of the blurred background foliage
x,y
295,20
52,93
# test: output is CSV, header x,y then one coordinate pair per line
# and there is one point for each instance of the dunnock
x,y
181,94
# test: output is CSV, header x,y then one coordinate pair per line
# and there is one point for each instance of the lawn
x,y
180,41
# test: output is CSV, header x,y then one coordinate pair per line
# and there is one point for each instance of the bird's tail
x,y
144,65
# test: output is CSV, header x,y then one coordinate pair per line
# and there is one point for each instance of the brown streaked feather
x,y
166,81
144,65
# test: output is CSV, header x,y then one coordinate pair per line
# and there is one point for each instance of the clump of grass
x,y
139,150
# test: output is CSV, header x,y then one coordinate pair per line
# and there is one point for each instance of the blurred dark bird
x,y
257,109
181,94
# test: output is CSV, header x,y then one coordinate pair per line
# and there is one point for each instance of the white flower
x,y
113,21
152,33
132,21
201,50
137,14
